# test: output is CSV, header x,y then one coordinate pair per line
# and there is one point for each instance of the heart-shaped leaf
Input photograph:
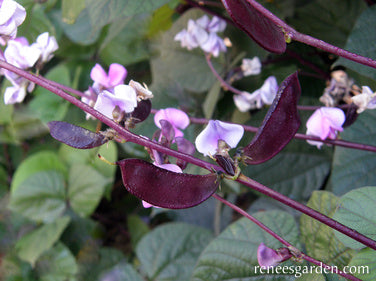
x,y
247,15
75,136
280,124
164,188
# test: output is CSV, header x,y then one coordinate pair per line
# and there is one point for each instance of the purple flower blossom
x,y
203,33
325,123
260,97
177,118
251,66
268,257
47,45
207,140
116,76
19,53
124,98
12,15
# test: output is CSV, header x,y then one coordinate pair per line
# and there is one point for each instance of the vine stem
x,y
283,241
129,136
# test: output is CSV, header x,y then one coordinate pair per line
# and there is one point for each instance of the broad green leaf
x,y
355,168
57,264
47,105
71,10
233,254
170,251
85,189
143,6
356,210
38,162
324,19
41,197
102,12
35,243
126,41
161,20
361,41
137,229
363,265
122,271
306,173
83,31
319,239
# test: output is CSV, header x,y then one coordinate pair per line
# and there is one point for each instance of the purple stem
x,y
129,136
224,84
283,241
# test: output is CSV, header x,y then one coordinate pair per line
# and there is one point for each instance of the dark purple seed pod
x,y
351,115
164,188
247,16
75,136
280,125
142,111
226,163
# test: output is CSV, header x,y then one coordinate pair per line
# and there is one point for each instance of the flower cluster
x,y
25,56
110,96
203,33
265,95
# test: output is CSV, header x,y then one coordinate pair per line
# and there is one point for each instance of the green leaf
x,y
143,6
126,41
355,168
35,243
83,31
325,20
38,162
71,9
85,189
319,239
47,105
102,12
41,197
170,251
137,229
356,210
233,254
5,109
57,264
306,173
363,265
361,41
122,271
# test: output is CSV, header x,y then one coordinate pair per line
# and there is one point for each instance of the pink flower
x,y
12,15
19,53
267,257
116,75
124,97
177,118
207,140
325,123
